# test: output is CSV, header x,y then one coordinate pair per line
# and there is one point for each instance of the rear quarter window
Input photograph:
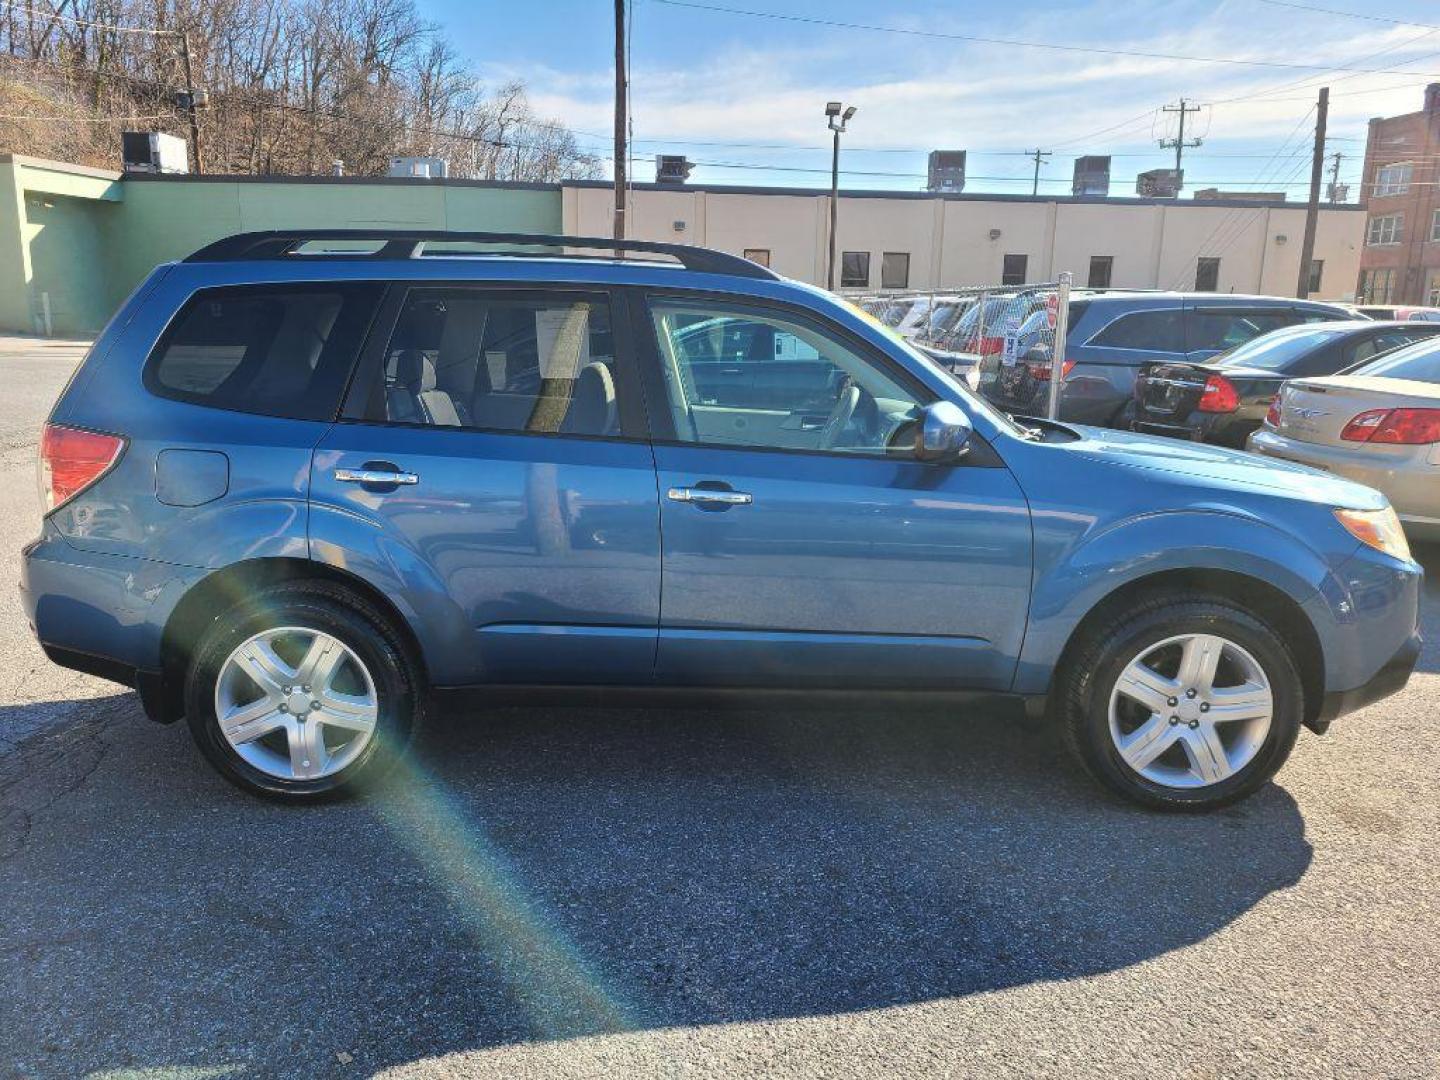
x,y
281,350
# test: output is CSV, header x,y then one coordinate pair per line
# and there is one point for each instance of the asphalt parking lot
x,y
582,892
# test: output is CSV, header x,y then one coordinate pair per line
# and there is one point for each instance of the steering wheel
x,y
845,406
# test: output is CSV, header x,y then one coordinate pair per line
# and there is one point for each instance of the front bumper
x,y
1390,679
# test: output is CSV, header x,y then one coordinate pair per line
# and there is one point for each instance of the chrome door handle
x,y
710,495
375,476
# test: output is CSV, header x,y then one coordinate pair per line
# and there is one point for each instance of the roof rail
x,y
406,244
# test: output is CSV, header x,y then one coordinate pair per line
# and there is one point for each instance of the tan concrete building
x,y
1400,190
922,240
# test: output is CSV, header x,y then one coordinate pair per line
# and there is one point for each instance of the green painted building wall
x,y
81,239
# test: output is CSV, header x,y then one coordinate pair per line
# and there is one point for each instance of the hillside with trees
x,y
292,86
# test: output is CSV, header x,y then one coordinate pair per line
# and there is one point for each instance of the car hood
x,y
1218,467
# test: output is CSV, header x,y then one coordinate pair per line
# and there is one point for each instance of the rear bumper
x,y
1390,679
1411,484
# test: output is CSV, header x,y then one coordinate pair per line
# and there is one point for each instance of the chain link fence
x,y
1007,341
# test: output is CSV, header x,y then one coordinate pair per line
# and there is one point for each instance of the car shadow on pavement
x,y
543,874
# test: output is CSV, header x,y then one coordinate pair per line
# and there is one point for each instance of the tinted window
x,y
855,270
280,350
1216,330
1207,274
740,377
1100,268
1013,270
472,359
1154,331
1277,351
895,270
1420,362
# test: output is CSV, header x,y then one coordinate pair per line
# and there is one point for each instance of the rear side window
x,y
1420,362
1153,331
281,350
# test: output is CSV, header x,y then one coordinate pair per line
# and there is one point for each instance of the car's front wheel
x,y
1182,702
304,692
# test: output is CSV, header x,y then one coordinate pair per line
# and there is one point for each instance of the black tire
x,y
1084,687
343,615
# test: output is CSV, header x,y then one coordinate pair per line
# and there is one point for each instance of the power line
x,y
33,15
1018,43
1347,14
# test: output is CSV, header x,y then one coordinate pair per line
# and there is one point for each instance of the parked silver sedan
x,y
1378,424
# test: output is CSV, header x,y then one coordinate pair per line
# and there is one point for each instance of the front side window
x,y
1392,179
466,358
855,270
279,350
753,378
1384,229
895,270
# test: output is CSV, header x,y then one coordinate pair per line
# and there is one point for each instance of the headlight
x,y
1378,528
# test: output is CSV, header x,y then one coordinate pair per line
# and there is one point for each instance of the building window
x,y
1435,226
1317,271
1384,229
758,255
1013,272
855,270
895,270
1377,286
1392,179
1432,289
1207,273
1100,267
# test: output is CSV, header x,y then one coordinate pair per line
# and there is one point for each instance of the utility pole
x,y
197,150
836,117
1312,212
621,115
1335,177
1039,155
1179,142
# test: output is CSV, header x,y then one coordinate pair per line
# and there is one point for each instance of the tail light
x,y
1219,395
1272,415
1041,370
71,460
1402,427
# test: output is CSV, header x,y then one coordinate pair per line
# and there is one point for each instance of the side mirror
x,y
943,433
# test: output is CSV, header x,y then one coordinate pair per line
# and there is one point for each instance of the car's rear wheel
x,y
1181,702
304,692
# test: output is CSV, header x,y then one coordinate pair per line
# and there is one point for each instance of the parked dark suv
x,y
1112,334
300,497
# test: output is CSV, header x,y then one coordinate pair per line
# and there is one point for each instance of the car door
x,y
803,545
493,468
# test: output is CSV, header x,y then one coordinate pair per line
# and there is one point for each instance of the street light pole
x,y
838,116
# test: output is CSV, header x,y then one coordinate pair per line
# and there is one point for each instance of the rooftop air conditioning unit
x,y
420,168
153,152
672,168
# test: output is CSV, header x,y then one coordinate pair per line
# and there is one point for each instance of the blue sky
x,y
744,95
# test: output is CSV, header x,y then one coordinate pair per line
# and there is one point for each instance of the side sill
x,y
509,695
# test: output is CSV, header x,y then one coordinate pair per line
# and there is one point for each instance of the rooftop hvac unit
x,y
153,152
1160,183
672,168
947,171
1092,175
419,168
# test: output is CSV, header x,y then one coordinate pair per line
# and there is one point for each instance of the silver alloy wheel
x,y
1191,711
296,703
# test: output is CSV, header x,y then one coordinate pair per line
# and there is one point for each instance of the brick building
x,y
1400,262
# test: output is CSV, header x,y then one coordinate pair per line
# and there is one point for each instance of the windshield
x,y
1277,350
1420,362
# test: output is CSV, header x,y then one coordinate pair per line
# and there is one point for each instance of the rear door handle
x,y
712,496
375,476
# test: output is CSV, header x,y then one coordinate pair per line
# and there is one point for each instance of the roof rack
x,y
406,244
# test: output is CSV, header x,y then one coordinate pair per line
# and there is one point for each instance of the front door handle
x,y
710,496
375,476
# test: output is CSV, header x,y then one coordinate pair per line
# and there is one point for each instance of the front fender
x,y
1073,581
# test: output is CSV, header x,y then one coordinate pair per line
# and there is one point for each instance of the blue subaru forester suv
x,y
308,487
